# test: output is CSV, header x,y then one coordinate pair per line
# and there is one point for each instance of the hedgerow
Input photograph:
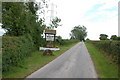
x,y
111,48
65,42
14,50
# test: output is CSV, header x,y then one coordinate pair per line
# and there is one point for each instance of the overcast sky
x,y
98,16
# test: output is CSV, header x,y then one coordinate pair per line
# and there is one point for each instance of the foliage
x,y
35,62
55,22
113,37
79,32
118,38
0,10
112,49
23,32
15,49
33,7
59,40
87,39
67,41
20,18
103,37
13,18
59,37
103,65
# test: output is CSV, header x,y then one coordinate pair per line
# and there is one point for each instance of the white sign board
x,y
49,38
55,49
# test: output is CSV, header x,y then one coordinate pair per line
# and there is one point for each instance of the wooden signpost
x,y
49,36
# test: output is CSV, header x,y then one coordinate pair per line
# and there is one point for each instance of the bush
x,y
65,42
14,50
112,48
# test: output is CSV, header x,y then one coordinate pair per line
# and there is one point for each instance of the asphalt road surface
x,y
74,63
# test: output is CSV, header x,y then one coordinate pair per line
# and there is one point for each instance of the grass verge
x,y
34,62
103,65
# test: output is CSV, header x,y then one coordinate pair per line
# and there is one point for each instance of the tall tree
x,y
13,14
21,18
79,32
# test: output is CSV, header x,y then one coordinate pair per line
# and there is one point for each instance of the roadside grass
x,y
34,62
103,65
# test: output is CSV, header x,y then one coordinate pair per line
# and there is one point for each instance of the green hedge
x,y
14,50
112,49
65,42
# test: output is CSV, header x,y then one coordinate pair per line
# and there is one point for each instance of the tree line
x,y
79,32
105,37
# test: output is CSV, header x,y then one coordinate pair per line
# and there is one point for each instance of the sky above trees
x,y
98,16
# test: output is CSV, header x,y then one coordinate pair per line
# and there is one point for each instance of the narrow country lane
x,y
74,63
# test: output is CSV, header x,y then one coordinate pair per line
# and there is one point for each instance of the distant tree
x,y
87,39
113,37
103,37
59,37
79,32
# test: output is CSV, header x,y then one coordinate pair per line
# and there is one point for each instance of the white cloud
x,y
109,4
